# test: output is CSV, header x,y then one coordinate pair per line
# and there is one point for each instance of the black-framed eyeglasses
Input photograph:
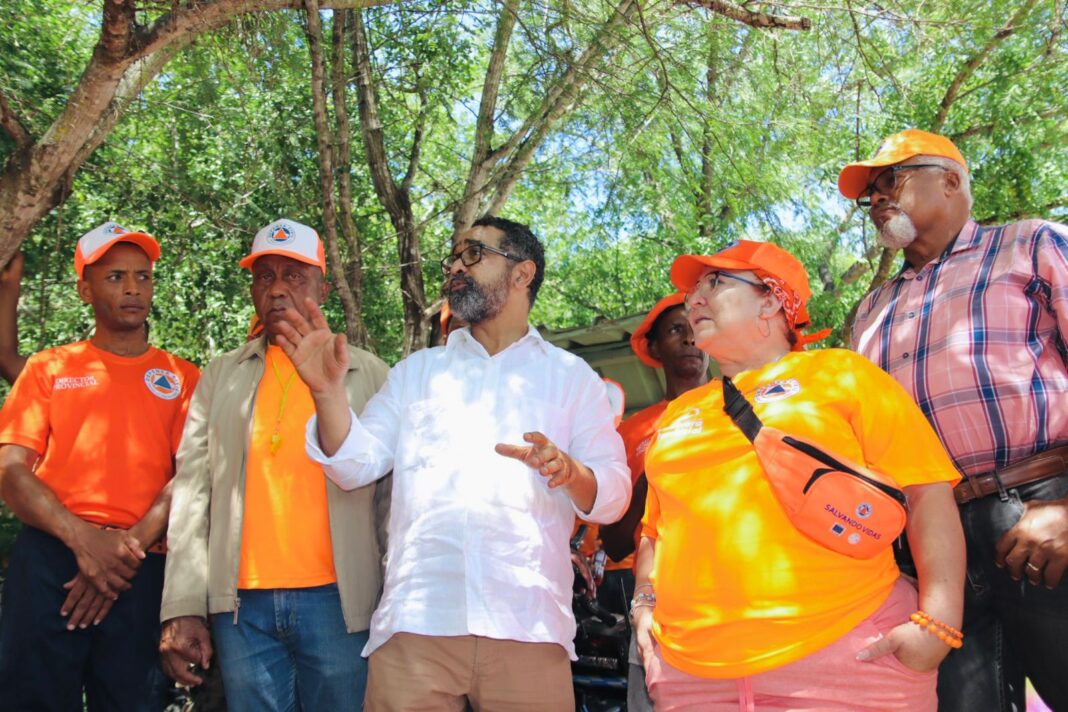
x,y
472,254
886,181
711,280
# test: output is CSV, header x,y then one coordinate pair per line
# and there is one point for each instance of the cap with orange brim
x,y
855,177
782,272
287,238
639,340
94,244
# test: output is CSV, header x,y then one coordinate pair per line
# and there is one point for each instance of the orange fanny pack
x,y
838,504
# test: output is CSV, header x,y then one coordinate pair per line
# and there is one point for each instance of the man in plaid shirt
x,y
974,327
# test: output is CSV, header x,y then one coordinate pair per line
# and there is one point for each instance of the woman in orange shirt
x,y
734,607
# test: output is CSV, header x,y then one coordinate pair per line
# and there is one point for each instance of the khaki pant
x,y
411,673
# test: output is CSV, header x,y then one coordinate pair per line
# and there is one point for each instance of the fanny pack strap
x,y
740,410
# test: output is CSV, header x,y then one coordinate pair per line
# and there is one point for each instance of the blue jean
x,y
44,666
288,650
1011,628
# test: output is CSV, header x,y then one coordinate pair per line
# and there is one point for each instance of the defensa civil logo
x,y
163,383
777,390
280,235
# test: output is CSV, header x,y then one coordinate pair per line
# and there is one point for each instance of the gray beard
x,y
478,303
898,232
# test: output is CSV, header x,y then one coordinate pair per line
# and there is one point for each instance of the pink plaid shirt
x,y
977,337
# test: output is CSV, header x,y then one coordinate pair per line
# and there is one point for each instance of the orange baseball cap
x,y
639,340
93,244
289,239
854,178
745,255
766,260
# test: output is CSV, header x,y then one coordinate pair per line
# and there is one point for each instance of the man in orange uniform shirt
x,y
663,340
89,433
285,563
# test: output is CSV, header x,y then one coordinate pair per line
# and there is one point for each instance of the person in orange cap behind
x,y
88,434
736,608
974,327
663,340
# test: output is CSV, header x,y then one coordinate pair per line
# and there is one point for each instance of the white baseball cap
x,y
289,239
93,244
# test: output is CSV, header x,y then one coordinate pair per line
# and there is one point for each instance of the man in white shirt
x,y
477,599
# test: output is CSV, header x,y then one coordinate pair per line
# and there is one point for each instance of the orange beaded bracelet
x,y
946,633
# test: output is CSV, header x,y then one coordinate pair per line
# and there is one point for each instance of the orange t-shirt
x,y
285,538
739,590
637,432
106,426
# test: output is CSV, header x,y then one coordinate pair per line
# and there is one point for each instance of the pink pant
x,y
829,679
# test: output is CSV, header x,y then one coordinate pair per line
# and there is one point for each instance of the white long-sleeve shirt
x,y
478,543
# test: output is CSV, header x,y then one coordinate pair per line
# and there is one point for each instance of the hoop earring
x,y
766,331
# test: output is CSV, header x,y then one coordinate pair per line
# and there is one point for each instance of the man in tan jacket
x,y
284,565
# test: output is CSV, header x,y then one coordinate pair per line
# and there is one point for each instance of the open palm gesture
x,y
320,356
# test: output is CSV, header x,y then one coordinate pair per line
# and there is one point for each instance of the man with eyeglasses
x,y
974,326
496,441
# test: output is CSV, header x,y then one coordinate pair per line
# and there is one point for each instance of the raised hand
x,y
320,356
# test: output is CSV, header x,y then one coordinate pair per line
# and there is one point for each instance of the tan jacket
x,y
204,536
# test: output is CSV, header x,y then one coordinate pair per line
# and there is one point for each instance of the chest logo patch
x,y
777,390
163,383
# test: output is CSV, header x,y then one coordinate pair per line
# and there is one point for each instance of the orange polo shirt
x,y
285,538
739,590
106,426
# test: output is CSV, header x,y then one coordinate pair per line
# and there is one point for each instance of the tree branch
x,y
482,158
966,71
417,142
116,30
394,198
371,123
353,272
197,18
560,100
753,19
1017,122
325,139
13,126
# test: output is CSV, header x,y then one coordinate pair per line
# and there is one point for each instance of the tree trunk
x,y
325,139
394,198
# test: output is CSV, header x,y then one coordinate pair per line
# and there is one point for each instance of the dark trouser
x,y
616,590
44,666
1011,628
